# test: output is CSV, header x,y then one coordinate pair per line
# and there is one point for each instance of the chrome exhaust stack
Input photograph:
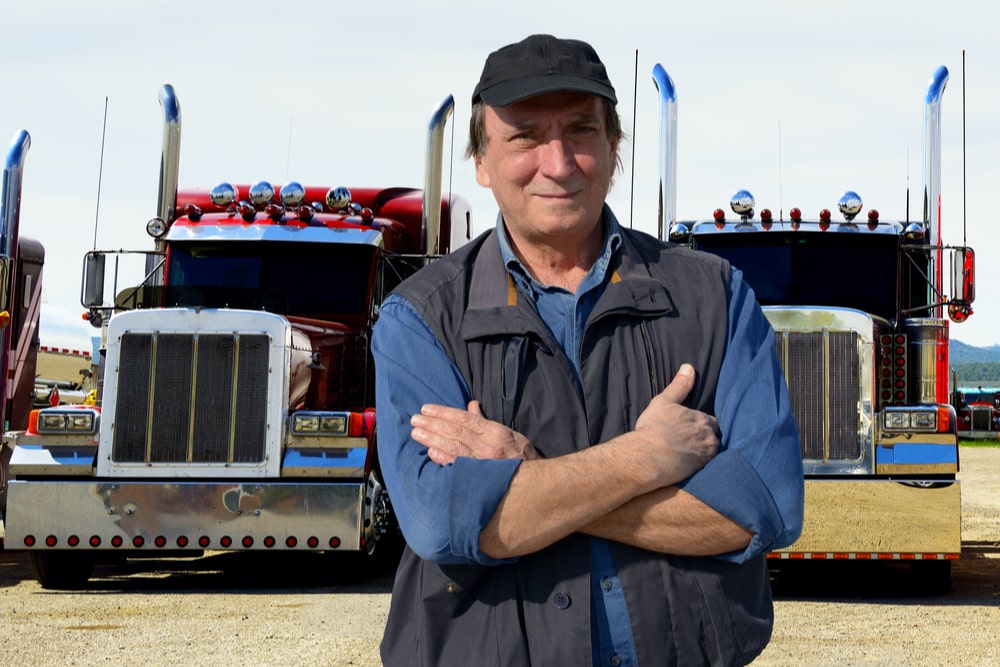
x,y
668,151
932,170
170,157
10,216
430,228
11,211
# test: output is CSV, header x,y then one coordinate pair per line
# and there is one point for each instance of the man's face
x,y
549,162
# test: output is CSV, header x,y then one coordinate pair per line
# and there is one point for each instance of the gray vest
x,y
664,306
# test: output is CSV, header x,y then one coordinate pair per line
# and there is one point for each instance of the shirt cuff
x,y
730,485
477,487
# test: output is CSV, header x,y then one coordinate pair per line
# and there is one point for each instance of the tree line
x,y
977,373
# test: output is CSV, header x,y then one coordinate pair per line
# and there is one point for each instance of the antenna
x,y
907,218
288,156
100,170
635,104
964,207
781,210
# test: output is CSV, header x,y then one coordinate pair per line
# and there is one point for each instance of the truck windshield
x,y
285,278
848,270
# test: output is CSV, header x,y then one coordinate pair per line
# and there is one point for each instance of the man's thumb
x,y
681,385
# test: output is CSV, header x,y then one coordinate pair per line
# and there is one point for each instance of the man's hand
x,y
681,439
449,433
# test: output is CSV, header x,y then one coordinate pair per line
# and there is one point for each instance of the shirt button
x,y
606,584
615,660
560,600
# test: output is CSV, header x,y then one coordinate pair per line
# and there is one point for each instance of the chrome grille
x,y
191,398
822,371
980,415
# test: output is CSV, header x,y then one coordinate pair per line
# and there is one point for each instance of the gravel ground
x,y
241,608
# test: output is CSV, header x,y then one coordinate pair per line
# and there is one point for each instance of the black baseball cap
x,y
542,64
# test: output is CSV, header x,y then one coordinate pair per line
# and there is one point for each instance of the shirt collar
x,y
523,279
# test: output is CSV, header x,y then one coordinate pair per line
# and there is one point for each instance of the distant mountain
x,y
960,353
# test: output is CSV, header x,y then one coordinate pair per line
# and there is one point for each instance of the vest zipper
x,y
654,384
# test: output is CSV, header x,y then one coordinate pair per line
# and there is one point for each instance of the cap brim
x,y
516,90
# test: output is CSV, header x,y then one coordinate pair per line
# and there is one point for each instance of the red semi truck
x,y
236,394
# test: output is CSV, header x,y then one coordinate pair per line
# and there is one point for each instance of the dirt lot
x,y
238,608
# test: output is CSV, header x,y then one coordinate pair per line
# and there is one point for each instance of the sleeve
x,y
441,509
756,480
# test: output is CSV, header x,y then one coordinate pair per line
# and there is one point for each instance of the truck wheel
x,y
61,569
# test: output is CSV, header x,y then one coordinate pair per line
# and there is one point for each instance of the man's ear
x,y
482,176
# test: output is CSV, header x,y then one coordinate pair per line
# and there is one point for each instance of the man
x,y
585,432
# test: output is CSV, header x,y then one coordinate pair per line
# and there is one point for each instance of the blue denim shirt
x,y
447,507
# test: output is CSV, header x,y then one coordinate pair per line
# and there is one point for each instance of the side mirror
x,y
93,280
963,283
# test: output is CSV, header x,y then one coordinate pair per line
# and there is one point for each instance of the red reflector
x,y
313,542
269,541
247,542
117,541
203,541
290,542
29,540
160,541
73,540
138,541
95,540
335,542
182,541
51,541
226,541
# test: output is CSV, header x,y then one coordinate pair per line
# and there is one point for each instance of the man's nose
x,y
557,159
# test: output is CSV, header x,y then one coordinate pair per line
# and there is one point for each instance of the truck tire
x,y
61,569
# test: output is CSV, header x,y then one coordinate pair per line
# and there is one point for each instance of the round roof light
x,y
261,193
224,194
849,204
338,198
796,214
292,194
742,203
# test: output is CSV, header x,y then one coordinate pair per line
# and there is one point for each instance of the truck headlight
x,y
907,419
320,423
62,421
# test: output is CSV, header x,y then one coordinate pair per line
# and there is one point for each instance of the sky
x,y
795,101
